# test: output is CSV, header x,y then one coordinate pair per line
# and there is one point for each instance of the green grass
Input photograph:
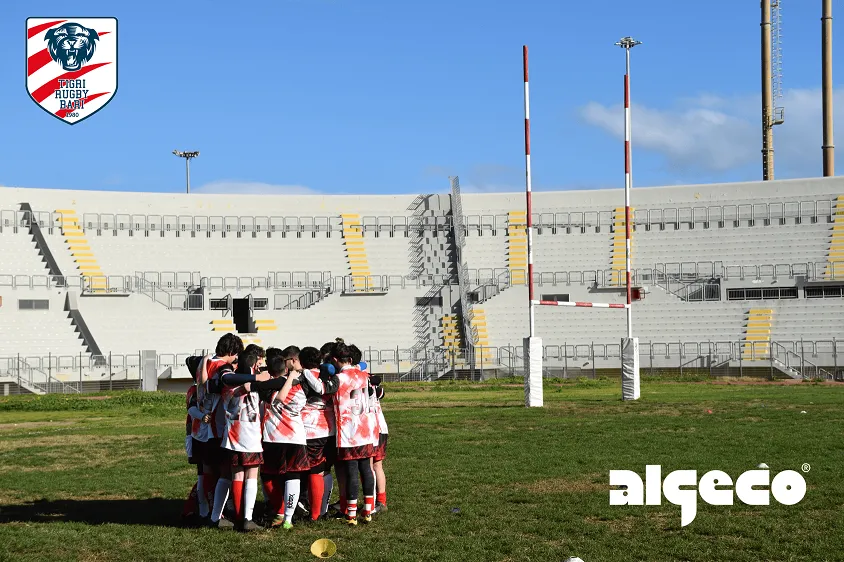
x,y
104,479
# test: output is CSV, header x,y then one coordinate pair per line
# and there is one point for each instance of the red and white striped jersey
x,y
243,424
356,423
282,419
208,402
318,414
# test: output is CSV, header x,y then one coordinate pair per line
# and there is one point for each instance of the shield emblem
x,y
71,65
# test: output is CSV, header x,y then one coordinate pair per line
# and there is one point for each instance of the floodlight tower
x,y
627,43
187,156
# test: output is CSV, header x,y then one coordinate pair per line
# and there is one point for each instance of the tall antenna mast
x,y
776,62
771,81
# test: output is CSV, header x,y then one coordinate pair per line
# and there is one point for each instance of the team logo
x,y
71,65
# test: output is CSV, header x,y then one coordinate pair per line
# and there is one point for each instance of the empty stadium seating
x,y
134,257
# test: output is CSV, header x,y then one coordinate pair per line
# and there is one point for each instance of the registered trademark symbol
x,y
805,467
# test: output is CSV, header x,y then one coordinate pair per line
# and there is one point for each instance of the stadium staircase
x,y
835,256
618,253
80,249
483,352
355,249
517,256
41,244
756,343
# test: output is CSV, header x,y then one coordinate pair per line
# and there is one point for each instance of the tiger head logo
x,y
71,45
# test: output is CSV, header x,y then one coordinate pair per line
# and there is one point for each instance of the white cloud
x,y
252,188
717,133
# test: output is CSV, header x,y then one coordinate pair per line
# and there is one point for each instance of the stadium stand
x,y
754,267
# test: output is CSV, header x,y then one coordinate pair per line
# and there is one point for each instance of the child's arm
x,y
330,380
307,379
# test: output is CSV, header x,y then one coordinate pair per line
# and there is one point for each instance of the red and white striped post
x,y
627,43
529,217
532,344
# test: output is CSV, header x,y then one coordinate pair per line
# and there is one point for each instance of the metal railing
x,y
669,276
805,359
720,215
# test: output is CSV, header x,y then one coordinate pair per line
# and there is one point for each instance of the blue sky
x,y
376,96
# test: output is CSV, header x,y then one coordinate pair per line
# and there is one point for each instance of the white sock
x,y
200,496
328,487
291,498
250,493
221,494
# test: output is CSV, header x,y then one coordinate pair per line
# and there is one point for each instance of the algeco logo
x,y
715,488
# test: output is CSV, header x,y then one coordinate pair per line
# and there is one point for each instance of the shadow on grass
x,y
154,511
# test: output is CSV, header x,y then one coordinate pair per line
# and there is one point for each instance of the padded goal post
x,y
533,344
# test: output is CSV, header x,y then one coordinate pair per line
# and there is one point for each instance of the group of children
x,y
289,415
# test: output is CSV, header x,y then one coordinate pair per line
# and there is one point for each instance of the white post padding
x,y
533,372
630,369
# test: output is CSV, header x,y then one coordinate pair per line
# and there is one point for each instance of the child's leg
x,y
190,506
327,488
250,492
238,474
380,482
221,491
352,487
368,482
269,491
316,489
210,475
292,487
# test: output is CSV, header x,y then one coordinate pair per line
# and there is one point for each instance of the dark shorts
x,y
322,453
381,448
280,458
354,453
246,460
213,453
197,448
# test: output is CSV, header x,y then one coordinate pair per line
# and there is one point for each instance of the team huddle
x,y
289,415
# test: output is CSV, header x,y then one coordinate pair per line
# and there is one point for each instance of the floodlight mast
x,y
627,43
187,156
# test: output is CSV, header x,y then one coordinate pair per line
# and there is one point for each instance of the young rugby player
x,y
205,442
242,440
356,428
381,448
231,404
320,429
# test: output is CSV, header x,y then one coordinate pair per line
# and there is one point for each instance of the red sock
x,y
316,487
191,504
278,495
269,489
343,505
381,498
237,498
368,504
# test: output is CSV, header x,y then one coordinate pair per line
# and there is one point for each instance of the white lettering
x,y
682,487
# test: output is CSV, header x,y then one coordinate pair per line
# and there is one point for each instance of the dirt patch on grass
x,y
84,441
31,425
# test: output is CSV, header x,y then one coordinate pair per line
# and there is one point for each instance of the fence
x,y
796,359
735,213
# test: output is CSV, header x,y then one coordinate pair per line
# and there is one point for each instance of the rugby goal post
x,y
630,385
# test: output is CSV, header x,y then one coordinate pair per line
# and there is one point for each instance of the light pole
x,y
187,156
627,43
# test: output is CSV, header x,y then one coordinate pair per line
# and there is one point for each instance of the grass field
x,y
97,479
